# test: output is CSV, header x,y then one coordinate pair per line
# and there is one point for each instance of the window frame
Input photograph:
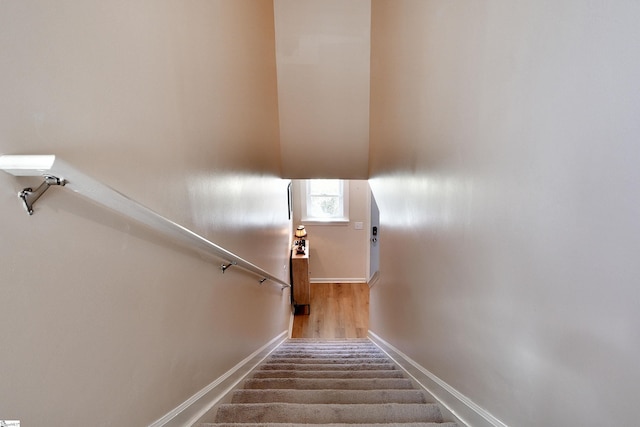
x,y
306,198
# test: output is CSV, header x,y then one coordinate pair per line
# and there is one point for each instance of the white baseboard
x,y
459,405
338,280
194,408
374,279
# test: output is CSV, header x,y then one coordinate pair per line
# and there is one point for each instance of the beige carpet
x,y
330,383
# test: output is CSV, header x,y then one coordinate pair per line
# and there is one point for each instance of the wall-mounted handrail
x,y
57,172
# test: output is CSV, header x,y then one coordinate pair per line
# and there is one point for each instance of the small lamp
x,y
301,233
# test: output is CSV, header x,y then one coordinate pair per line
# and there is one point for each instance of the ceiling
x,y
323,68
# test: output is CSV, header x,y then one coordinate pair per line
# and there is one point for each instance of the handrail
x,y
57,172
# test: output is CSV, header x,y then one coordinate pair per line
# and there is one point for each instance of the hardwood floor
x,y
337,310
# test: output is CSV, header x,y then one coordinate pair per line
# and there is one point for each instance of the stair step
x,y
329,344
328,348
329,425
327,413
326,366
333,356
326,384
331,347
321,342
329,396
272,373
330,360
336,348
346,357
326,354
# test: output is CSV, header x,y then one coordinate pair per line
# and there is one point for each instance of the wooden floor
x,y
337,310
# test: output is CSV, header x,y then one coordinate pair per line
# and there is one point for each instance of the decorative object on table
x,y
300,244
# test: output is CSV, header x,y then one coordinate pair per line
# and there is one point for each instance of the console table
x,y
300,273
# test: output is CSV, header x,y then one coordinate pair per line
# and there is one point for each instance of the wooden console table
x,y
300,273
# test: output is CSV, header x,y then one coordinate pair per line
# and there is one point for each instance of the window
x,y
325,200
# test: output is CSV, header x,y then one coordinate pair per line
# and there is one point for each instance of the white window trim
x,y
344,219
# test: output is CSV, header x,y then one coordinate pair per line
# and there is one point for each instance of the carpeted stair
x,y
329,383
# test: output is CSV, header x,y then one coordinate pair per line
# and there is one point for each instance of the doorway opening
x,y
341,223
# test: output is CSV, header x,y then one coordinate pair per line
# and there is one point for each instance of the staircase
x,y
335,383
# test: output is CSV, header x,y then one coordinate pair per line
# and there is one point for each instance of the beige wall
x,y
322,52
504,154
338,252
174,104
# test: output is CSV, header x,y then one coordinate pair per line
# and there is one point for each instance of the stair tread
x,y
328,374
329,396
326,366
305,413
329,360
330,353
427,424
324,383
